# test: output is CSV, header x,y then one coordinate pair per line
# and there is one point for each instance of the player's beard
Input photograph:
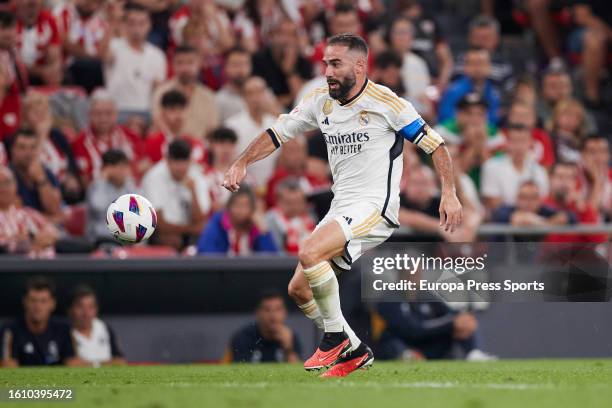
x,y
341,93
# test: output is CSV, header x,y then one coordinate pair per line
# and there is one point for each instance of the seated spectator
x,y
38,42
530,210
477,69
53,144
94,341
237,69
85,34
10,60
36,338
172,117
556,87
23,230
289,221
201,112
36,185
240,229
134,67
268,339
565,195
502,175
222,146
281,64
420,208
178,190
102,134
10,103
484,32
568,128
542,148
114,181
426,329
387,72
414,70
596,173
253,121
254,22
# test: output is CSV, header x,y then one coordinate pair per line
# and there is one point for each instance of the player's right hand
x,y
234,176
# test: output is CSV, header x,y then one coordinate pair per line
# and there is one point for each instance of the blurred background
x,y
100,98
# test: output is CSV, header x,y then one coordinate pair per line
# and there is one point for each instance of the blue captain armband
x,y
422,135
413,130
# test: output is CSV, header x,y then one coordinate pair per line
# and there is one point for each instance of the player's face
x,y
187,67
528,198
102,116
271,313
340,70
84,311
38,305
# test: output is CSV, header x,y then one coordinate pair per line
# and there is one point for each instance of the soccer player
x,y
364,126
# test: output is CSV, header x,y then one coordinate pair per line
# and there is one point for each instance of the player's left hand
x,y
451,212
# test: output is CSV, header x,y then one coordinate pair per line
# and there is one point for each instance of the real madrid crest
x,y
364,119
328,107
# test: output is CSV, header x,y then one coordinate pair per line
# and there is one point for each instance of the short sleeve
x,y
67,341
405,120
489,182
115,350
301,119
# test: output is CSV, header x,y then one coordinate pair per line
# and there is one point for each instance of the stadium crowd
x,y
103,97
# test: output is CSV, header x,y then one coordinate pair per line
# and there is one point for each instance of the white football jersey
x,y
364,138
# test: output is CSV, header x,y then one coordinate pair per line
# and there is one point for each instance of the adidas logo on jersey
x,y
347,219
326,121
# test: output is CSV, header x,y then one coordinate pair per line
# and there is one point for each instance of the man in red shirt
x,y
38,41
9,106
172,115
103,134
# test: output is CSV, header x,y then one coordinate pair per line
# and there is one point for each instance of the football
x,y
131,218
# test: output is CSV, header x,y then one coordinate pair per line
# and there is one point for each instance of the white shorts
x,y
364,228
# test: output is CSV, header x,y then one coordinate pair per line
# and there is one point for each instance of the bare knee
x,y
299,291
309,255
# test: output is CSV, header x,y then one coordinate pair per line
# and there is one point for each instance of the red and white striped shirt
x,y
88,32
33,42
17,224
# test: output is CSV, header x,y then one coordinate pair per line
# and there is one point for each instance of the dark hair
x,y
131,6
482,21
593,136
352,41
185,49
245,190
387,35
269,293
80,292
7,19
38,283
173,99
562,163
388,59
26,132
236,50
223,134
112,157
289,184
179,149
344,7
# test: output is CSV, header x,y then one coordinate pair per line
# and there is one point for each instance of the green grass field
x,y
533,383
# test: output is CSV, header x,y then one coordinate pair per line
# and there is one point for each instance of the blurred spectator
x,y
23,230
253,121
10,58
289,221
501,176
477,69
114,181
426,329
530,210
565,196
218,35
54,146
540,16
256,20
37,186
178,190
95,342
414,70
543,149
268,339
9,105
596,173
387,72
568,129
172,117
85,35
201,114
429,41
556,87
237,70
133,66
240,229
222,145
102,134
37,339
484,32
281,63
39,42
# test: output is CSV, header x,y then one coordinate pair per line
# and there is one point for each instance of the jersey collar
x,y
357,95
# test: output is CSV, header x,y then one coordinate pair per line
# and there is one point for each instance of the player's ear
x,y
361,65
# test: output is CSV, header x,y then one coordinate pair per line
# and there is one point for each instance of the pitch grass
x,y
532,383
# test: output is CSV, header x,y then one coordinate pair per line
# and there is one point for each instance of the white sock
x,y
355,342
312,312
324,285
